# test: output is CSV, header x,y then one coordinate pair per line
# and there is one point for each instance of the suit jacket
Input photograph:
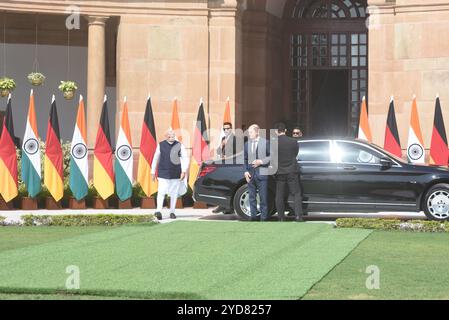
x,y
287,150
230,148
262,152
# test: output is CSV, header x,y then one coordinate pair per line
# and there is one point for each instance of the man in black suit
x,y
228,145
226,150
287,173
256,163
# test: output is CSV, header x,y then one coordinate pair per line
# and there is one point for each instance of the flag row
x,y
112,169
439,151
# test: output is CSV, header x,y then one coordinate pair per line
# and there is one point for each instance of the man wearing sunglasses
x,y
226,149
296,133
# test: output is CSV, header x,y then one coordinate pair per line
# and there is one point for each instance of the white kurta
x,y
172,187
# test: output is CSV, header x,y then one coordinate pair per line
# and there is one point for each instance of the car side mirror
x,y
386,163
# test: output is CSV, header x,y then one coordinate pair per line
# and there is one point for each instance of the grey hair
x,y
255,127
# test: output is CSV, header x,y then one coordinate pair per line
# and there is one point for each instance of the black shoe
x,y
218,210
158,215
172,216
299,219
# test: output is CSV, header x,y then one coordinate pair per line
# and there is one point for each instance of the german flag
x,y
148,145
392,143
8,157
200,148
53,162
439,153
103,155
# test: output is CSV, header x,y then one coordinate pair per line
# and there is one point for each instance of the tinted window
x,y
355,153
314,151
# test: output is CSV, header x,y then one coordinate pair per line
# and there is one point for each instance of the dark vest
x,y
169,166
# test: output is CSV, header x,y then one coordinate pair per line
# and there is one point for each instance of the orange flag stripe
x,y
415,122
125,123
81,120
32,115
175,124
364,122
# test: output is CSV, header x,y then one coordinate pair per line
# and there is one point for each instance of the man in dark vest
x,y
171,163
287,173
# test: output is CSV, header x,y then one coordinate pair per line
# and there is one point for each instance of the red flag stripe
x,y
439,151
391,144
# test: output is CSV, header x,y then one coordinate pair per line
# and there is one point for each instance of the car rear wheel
x,y
241,203
436,206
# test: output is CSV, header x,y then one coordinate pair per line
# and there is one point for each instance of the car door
x,y
360,180
316,172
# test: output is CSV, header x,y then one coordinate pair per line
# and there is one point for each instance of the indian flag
x,y
364,128
175,124
31,155
415,149
124,157
79,167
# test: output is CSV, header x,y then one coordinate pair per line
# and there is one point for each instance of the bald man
x,y
171,163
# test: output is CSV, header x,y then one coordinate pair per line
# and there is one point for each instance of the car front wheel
x,y
241,203
436,206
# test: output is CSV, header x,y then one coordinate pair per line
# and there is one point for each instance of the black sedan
x,y
338,175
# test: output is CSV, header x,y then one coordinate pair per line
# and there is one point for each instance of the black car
x,y
338,175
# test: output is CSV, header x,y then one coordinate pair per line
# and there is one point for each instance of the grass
x,y
180,260
18,237
412,266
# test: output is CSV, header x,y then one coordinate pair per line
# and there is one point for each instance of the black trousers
x,y
292,181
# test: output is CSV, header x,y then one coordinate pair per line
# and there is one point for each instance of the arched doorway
x,y
327,70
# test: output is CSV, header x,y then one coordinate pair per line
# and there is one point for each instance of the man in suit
x,y
256,162
226,150
287,173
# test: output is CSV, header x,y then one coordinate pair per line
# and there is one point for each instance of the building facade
x,y
306,62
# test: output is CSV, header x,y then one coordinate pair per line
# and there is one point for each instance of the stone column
x,y
96,75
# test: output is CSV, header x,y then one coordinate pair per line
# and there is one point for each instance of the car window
x,y
314,151
355,153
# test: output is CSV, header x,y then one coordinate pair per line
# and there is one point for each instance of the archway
x,y
326,72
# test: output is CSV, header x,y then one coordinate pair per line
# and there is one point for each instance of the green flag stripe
x,y
77,183
122,183
30,177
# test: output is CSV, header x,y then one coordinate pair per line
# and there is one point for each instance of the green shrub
x,y
393,224
7,83
85,220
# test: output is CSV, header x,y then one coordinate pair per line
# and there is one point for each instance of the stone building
x,y
303,61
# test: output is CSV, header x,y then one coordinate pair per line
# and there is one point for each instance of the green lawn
x,y
186,260
222,260
412,266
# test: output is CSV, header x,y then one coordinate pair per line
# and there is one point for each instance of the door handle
x,y
349,168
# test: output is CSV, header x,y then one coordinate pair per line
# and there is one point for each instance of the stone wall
x,y
408,54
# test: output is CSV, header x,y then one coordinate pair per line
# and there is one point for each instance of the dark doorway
x,y
329,103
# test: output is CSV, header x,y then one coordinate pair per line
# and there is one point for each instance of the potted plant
x,y
68,88
36,78
95,199
140,198
27,202
6,86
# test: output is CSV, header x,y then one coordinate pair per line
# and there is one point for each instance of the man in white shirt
x,y
171,163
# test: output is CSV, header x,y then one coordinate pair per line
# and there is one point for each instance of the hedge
x,y
2,219
85,220
394,224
